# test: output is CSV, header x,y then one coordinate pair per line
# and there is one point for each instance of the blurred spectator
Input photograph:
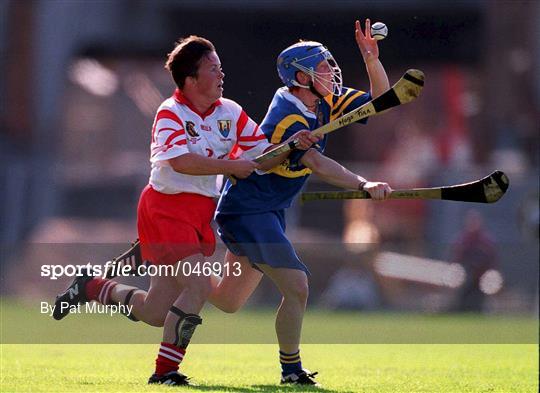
x,y
475,250
351,288
360,233
408,163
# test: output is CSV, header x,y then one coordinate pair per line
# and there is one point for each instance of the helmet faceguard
x,y
305,57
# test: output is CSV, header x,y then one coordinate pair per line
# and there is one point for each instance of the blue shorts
x,y
260,237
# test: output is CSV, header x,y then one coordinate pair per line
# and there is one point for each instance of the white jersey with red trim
x,y
225,131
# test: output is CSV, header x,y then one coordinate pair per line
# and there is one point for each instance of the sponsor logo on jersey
x,y
224,127
204,127
190,129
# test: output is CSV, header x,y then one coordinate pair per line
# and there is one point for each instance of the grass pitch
x,y
353,352
254,368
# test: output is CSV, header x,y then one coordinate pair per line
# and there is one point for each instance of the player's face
x,y
324,85
209,81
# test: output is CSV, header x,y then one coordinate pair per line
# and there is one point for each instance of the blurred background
x,y
81,81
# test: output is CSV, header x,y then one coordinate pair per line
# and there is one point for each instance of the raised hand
x,y
367,44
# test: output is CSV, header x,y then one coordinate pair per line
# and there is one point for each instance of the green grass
x,y
23,323
253,368
353,352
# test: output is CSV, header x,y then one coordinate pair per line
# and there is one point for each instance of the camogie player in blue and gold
x,y
251,214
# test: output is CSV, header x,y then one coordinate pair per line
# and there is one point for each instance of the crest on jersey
x,y
224,127
190,129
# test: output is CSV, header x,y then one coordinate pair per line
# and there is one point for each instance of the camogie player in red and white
x,y
197,135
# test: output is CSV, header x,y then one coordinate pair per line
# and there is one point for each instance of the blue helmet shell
x,y
305,56
307,53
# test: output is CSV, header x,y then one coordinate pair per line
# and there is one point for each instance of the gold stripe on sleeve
x,y
284,171
349,100
340,99
282,126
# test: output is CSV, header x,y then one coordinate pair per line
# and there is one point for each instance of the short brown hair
x,y
184,60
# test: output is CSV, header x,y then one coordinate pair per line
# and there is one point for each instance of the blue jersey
x,y
275,189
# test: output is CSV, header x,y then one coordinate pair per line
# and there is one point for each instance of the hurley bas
x,y
88,308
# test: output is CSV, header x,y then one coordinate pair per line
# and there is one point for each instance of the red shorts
x,y
174,226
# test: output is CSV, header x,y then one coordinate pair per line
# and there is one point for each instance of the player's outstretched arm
x,y
303,140
336,174
197,165
370,52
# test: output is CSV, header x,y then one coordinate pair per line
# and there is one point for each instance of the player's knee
x,y
297,290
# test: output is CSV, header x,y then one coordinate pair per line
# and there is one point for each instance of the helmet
x,y
305,56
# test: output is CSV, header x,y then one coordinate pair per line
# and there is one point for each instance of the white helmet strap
x,y
334,76
298,84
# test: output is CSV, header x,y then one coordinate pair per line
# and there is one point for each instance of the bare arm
x,y
377,77
269,164
330,171
370,52
197,165
336,174
304,140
